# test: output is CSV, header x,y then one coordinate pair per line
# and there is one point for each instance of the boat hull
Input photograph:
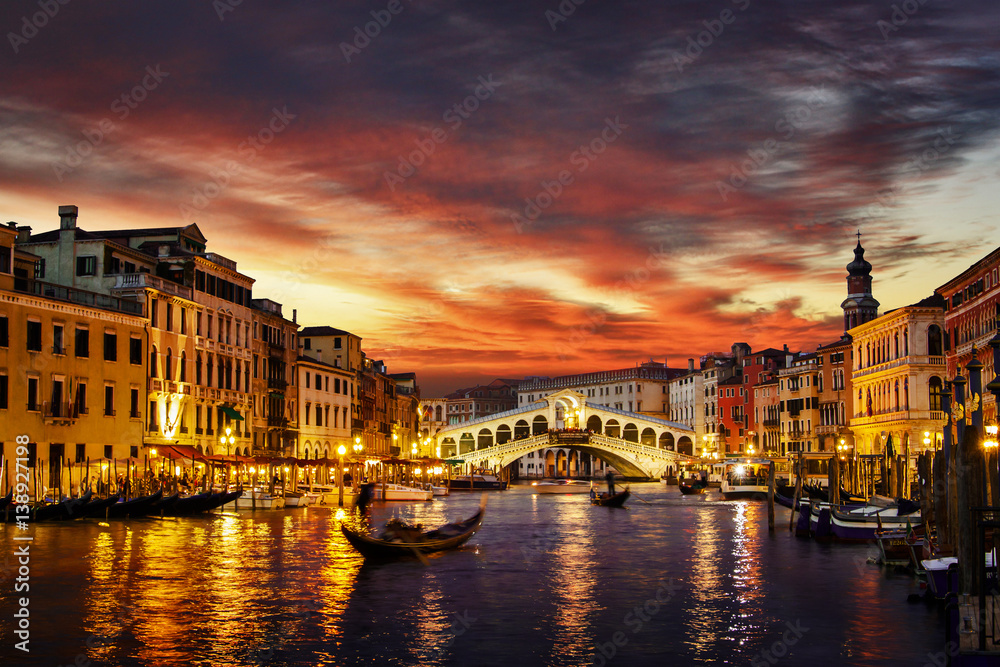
x,y
374,548
477,484
616,500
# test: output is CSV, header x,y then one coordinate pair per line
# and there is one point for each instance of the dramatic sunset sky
x,y
717,158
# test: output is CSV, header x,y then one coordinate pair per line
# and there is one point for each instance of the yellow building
x,y
898,379
72,375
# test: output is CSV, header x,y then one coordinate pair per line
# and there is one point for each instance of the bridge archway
x,y
631,433
503,434
539,425
550,463
648,437
685,446
612,429
521,430
485,439
466,443
667,441
594,424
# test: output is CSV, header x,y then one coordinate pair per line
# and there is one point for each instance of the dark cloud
x,y
745,160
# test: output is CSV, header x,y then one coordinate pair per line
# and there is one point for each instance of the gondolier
x,y
610,478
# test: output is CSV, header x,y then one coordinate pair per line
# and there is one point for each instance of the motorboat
x,y
437,490
561,486
478,481
745,478
400,492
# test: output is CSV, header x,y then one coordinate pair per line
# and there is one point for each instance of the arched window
x,y
934,343
183,365
935,390
168,362
208,376
152,363
197,369
895,346
895,396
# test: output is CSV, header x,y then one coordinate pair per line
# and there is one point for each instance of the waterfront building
x,y
798,395
323,401
834,385
971,315
732,425
757,367
482,400
405,420
275,351
342,349
642,388
72,371
433,416
686,400
767,415
197,307
860,305
898,379
716,367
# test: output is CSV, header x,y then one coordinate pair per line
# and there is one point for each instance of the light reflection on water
x,y
546,580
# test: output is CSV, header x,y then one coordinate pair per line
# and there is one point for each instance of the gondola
x,y
189,505
96,508
164,504
698,486
6,500
65,509
448,536
136,507
613,500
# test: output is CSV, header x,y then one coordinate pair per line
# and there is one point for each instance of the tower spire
x,y
859,306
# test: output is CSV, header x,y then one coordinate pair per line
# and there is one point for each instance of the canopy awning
x,y
231,413
180,452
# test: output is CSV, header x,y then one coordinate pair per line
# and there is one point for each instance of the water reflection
x,y
573,583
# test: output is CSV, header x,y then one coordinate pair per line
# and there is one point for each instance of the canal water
x,y
548,580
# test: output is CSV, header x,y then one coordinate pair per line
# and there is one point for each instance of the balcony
x,y
277,422
59,412
918,359
77,296
275,383
139,281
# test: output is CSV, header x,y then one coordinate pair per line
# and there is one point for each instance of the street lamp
x,y
341,450
990,442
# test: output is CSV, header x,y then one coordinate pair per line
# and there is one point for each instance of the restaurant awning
x,y
231,413
180,452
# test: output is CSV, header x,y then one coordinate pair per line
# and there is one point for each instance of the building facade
x,y
323,401
643,388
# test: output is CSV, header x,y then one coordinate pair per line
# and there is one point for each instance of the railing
x,y
78,296
274,383
58,410
132,281
921,359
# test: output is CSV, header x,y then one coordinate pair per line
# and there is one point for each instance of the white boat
x,y
745,478
400,492
561,486
437,490
261,500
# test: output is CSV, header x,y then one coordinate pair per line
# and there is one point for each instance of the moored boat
x,y
561,486
479,481
692,486
134,508
745,478
398,492
401,541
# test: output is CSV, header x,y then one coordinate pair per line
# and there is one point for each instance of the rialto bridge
x,y
636,445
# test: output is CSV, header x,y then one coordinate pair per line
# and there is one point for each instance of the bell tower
x,y
859,306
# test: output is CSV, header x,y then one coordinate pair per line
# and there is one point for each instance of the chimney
x,y
163,250
690,365
319,355
785,348
295,314
23,234
67,216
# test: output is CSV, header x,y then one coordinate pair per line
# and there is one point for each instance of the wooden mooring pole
x,y
770,498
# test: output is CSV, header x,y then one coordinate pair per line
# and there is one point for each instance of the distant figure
x,y
610,477
365,497
593,493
